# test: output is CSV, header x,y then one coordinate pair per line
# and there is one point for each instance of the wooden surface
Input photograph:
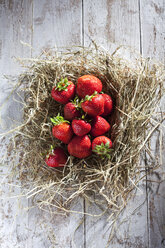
x,y
48,23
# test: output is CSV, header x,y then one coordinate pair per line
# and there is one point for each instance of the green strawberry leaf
x,y
107,145
103,150
65,80
58,120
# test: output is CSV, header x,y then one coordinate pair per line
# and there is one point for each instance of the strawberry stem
x,y
89,98
50,151
77,102
58,120
51,148
63,84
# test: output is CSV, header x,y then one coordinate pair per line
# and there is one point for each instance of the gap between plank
x,y
84,223
145,155
31,55
82,31
32,29
83,43
140,27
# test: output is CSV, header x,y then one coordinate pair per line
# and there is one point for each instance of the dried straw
x,y
136,89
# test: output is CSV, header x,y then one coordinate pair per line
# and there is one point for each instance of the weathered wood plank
x,y
152,15
55,231
153,46
108,22
15,25
56,24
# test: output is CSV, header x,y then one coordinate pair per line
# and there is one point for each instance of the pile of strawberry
x,y
83,125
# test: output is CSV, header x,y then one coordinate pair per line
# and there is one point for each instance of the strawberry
x,y
108,104
102,146
80,146
93,105
80,127
56,158
62,130
99,126
87,85
64,91
71,109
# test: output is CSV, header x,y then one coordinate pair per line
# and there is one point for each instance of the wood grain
x,y
15,25
118,22
56,230
56,24
152,14
108,22
153,46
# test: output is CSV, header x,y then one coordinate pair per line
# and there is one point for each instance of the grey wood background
x,y
47,23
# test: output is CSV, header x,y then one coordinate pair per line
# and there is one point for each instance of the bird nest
x,y
136,89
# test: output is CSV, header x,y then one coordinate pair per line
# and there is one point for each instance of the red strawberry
x,y
99,126
87,85
102,146
80,146
108,105
62,130
93,105
64,91
80,127
57,158
71,109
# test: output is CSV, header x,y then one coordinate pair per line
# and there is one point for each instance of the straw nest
x,y
136,90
